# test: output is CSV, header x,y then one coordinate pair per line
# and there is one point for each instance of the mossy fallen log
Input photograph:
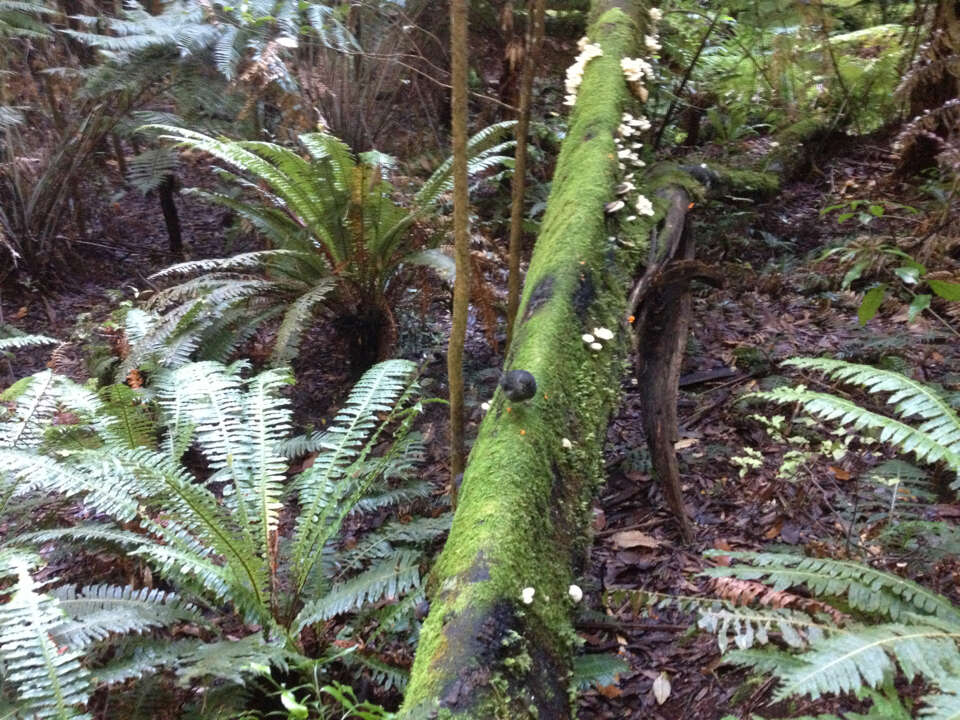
x,y
498,641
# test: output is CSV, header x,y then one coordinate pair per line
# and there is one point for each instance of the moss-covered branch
x,y
524,502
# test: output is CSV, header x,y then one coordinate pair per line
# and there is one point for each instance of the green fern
x,y
148,170
19,342
49,679
339,240
597,669
923,422
121,454
899,626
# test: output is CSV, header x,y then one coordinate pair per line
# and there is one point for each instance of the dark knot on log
x,y
518,385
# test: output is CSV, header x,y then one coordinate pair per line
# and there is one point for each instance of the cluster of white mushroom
x,y
588,51
628,154
528,593
636,69
596,339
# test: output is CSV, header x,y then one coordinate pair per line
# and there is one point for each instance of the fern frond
x,y
926,447
296,321
909,398
269,419
389,579
19,342
383,674
49,680
381,542
129,422
440,181
396,496
243,261
866,589
98,611
846,661
230,660
936,437
944,705
148,170
343,444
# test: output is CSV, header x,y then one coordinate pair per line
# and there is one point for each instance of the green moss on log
x,y
525,499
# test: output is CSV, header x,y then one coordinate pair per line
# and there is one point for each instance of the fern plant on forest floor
x,y
920,421
840,626
337,239
830,627
218,541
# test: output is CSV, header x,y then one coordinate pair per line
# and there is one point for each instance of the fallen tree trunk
x,y
498,640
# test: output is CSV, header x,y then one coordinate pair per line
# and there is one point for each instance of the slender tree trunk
x,y
166,192
534,37
118,153
461,231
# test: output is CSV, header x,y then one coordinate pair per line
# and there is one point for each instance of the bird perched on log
x,y
518,385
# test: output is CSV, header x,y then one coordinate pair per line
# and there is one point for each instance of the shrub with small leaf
x,y
216,539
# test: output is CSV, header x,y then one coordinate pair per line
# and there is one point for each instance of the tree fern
x,y
148,170
339,241
934,436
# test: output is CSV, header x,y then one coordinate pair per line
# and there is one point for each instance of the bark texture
x,y
524,504
537,10
461,231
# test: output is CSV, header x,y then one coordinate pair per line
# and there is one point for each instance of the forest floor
x,y
776,303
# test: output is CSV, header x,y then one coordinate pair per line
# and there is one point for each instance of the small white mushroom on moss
x,y
596,347
603,333
612,207
527,595
485,406
652,43
644,206
575,593
566,444
588,338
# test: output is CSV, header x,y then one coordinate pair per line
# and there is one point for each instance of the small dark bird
x,y
518,385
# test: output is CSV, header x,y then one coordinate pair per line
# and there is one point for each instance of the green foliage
x,y
150,168
906,275
48,679
20,19
934,436
337,239
894,624
215,538
11,340
597,669
766,63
